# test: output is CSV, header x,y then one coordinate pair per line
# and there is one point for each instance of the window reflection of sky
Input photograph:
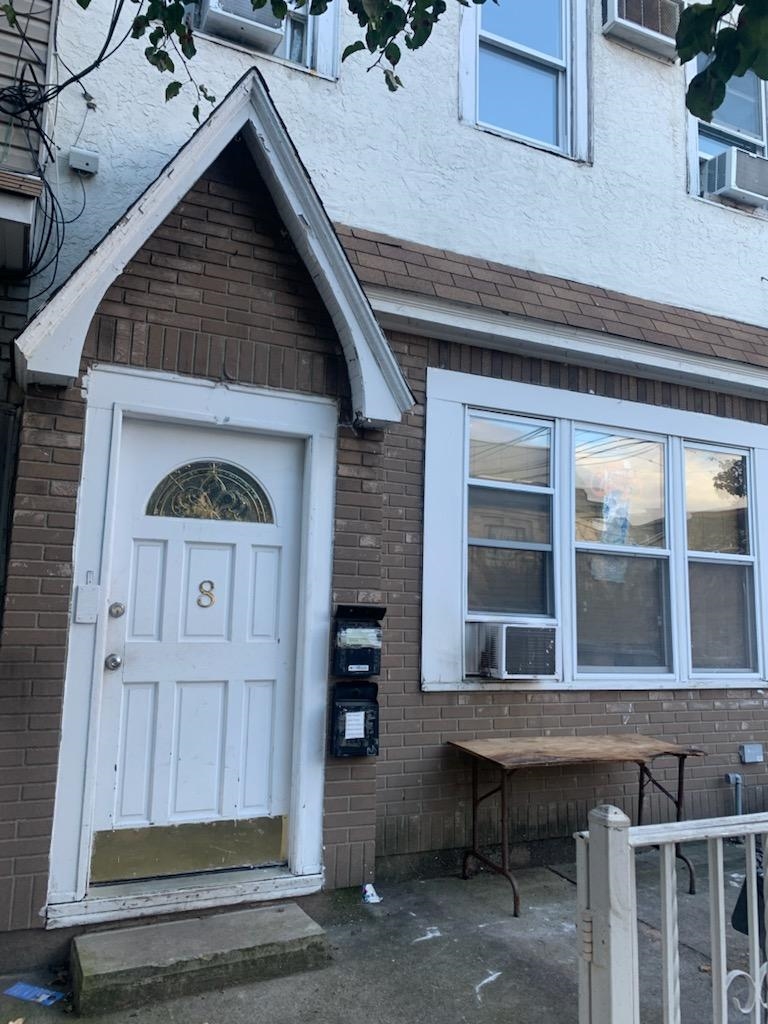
x,y
518,96
701,467
510,452
538,26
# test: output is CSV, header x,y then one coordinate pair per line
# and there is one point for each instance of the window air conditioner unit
x,y
739,175
237,20
520,652
646,24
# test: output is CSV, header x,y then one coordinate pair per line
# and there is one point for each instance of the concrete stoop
x,y
134,966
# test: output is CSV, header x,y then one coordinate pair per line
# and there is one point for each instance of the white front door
x,y
194,752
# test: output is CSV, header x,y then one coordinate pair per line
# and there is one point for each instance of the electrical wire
x,y
24,104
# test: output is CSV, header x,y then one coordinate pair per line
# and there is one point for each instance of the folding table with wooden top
x,y
509,755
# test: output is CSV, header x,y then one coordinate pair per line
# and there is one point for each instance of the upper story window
x,y
739,121
722,151
523,72
310,42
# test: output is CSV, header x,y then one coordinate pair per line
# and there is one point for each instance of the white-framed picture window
x,y
566,544
523,72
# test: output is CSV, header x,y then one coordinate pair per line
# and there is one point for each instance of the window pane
x,y
711,144
518,95
722,616
538,26
298,33
741,107
508,581
210,490
716,501
511,452
509,515
619,490
622,613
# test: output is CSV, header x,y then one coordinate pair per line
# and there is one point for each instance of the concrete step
x,y
134,966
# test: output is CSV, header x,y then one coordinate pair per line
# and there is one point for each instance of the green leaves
x,y
705,94
355,47
733,47
392,54
159,59
172,91
10,14
387,23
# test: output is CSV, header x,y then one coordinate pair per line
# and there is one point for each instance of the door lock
x,y
116,610
112,662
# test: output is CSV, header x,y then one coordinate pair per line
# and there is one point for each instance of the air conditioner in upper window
x,y
520,652
737,175
647,24
237,20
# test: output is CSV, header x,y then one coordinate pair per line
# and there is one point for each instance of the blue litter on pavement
x,y
34,994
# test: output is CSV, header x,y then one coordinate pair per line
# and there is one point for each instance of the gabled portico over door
x,y
193,735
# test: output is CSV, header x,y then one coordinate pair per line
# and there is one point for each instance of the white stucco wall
x,y
405,165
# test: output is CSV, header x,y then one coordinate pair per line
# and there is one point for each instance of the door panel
x,y
258,722
137,742
146,591
196,723
208,587
265,594
198,750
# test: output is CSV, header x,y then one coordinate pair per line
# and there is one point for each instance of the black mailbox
x,y
357,640
354,720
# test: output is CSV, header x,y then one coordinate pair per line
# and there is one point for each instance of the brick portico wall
x,y
219,293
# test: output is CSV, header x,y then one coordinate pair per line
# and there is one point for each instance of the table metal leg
x,y
475,801
503,868
679,804
678,799
641,795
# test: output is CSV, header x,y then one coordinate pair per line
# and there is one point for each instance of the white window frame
x,y
449,397
740,140
322,44
574,129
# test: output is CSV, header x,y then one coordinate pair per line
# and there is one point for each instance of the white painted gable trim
x,y
48,351
507,332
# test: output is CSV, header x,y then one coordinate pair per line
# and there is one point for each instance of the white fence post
x,y
584,927
614,980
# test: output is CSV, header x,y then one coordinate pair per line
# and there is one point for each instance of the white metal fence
x,y
609,991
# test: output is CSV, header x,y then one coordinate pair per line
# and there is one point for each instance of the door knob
x,y
113,661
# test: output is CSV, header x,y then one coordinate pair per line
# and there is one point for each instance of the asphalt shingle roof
x,y
409,267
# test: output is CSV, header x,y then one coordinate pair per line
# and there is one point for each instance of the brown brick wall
x,y
219,292
422,788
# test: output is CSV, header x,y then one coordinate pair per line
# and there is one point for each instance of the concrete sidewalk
x,y
446,951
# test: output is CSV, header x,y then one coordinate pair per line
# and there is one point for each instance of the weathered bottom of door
x,y
132,853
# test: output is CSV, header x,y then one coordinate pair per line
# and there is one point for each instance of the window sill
x,y
754,212
612,684
270,58
542,147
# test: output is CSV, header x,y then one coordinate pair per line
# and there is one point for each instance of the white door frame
x,y
113,394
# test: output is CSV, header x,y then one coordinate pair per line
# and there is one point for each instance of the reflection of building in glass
x,y
722,530
591,524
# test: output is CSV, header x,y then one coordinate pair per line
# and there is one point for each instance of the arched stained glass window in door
x,y
211,490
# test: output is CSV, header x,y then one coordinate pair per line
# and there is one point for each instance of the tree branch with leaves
x,y
733,37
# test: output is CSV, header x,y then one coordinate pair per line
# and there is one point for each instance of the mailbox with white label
x,y
357,640
354,720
